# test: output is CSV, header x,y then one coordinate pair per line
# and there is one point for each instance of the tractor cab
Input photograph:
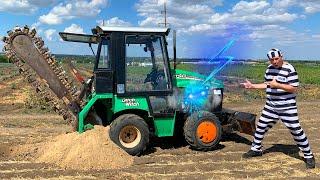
x,y
131,64
129,60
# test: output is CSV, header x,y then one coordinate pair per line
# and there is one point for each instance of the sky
x,y
203,26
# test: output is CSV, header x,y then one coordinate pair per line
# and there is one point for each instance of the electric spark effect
x,y
196,95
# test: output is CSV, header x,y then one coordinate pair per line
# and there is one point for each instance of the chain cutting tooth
x,y
9,55
47,56
39,44
7,47
33,32
17,29
44,50
10,33
5,39
13,59
26,29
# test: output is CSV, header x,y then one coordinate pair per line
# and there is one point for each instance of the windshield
x,y
146,63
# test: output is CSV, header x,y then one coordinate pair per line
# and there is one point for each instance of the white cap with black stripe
x,y
274,53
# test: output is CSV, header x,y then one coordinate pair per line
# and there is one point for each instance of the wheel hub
x,y
129,136
207,131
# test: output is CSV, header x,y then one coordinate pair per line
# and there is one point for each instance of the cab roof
x,y
105,29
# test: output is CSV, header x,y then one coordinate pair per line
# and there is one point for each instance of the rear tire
x,y
202,130
131,133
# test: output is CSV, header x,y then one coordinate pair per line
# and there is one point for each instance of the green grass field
x,y
308,72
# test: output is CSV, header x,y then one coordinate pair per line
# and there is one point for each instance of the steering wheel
x,y
155,77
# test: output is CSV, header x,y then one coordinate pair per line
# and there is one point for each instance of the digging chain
x,y
42,88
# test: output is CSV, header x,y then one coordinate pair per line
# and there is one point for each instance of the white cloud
x,y
284,4
200,28
180,13
115,21
310,6
278,35
42,3
200,16
16,6
316,36
244,7
73,9
74,28
24,6
256,21
49,34
35,25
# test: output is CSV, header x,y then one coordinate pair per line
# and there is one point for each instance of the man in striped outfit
x,y
281,83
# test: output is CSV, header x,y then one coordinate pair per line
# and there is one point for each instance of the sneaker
x,y
251,154
310,163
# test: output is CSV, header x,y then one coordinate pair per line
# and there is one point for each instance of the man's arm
x,y
249,85
286,87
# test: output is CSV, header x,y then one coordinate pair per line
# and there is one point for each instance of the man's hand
x,y
247,84
274,83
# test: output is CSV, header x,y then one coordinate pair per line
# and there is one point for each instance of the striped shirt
x,y
279,98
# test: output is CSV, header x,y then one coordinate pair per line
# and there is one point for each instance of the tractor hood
x,y
185,78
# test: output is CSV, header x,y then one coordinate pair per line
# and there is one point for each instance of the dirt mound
x,y
90,150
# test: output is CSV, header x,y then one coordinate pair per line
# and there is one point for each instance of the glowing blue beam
x,y
196,95
215,71
225,48
227,58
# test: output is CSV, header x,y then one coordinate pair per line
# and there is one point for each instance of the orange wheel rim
x,y
207,131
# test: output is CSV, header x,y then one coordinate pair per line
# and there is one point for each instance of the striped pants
x,y
289,117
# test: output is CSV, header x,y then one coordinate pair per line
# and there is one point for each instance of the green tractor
x,y
135,90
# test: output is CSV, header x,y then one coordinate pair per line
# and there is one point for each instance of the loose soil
x,y
90,150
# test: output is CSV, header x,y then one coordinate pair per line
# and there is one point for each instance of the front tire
x,y
202,130
131,133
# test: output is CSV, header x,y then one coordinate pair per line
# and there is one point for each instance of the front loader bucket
x,y
246,122
239,121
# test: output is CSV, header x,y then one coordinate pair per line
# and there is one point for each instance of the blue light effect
x,y
219,68
223,60
196,94
195,97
